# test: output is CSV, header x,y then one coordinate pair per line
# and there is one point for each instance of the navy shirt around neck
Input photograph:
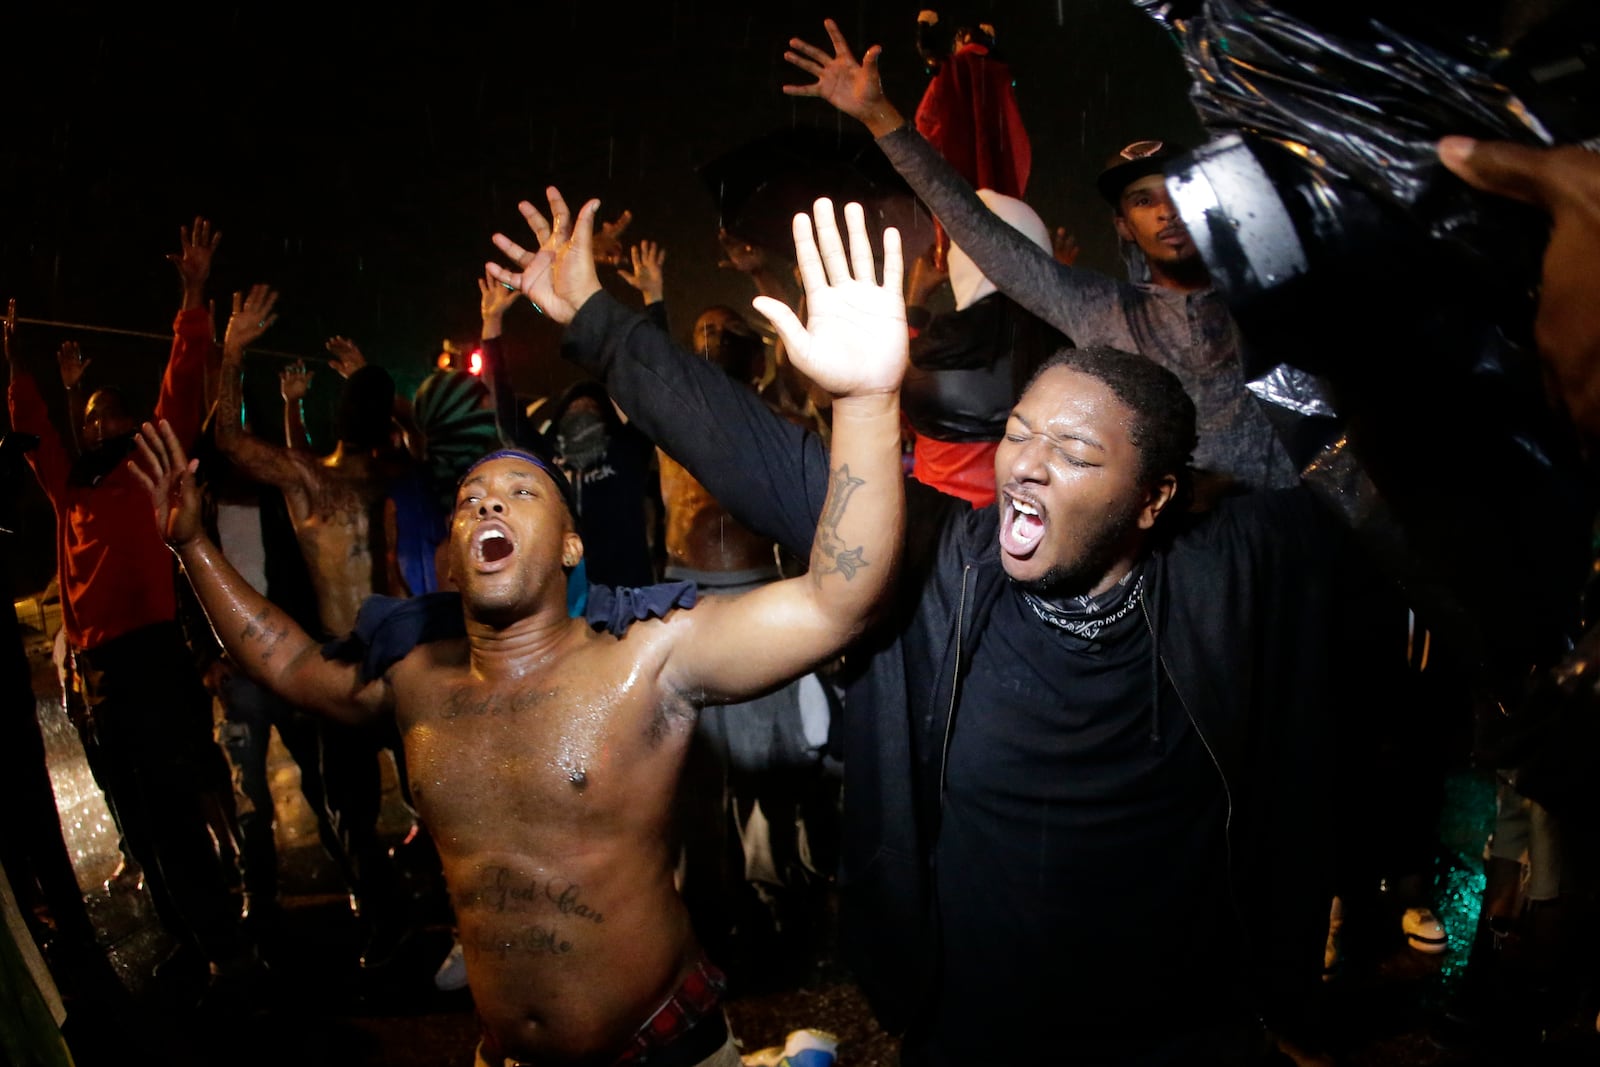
x,y
1081,860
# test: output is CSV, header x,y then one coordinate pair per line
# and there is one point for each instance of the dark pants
x,y
339,777
150,748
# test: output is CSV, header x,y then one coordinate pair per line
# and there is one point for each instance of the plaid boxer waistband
x,y
664,1039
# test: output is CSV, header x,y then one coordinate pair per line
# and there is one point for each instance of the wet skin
x,y
700,534
544,758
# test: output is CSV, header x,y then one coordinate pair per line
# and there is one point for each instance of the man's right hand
x,y
347,357
852,87
168,476
560,276
252,316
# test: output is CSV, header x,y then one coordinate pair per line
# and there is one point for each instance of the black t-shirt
x,y
1081,863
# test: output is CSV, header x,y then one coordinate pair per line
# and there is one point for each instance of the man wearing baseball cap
x,y
1175,318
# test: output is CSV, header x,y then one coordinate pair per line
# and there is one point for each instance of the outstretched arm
x,y
1072,300
272,464
259,637
854,345
494,300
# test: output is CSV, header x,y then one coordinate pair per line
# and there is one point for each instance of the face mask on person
x,y
583,439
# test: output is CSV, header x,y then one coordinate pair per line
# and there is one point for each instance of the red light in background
x,y
475,362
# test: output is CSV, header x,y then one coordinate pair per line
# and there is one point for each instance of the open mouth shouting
x,y
1022,525
492,546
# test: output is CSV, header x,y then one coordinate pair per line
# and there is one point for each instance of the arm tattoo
x,y
829,554
260,628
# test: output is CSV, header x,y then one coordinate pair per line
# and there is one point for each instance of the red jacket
x,y
115,571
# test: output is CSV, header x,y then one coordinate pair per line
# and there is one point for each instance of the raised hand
x,y
495,299
852,87
72,364
855,341
647,275
168,476
294,381
560,276
347,358
196,247
252,316
1565,183
608,242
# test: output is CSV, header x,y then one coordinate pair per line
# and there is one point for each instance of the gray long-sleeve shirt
x,y
1191,334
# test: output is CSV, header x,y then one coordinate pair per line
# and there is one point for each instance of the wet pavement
x,y
1384,1008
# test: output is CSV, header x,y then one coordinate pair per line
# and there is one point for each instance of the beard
x,y
1077,577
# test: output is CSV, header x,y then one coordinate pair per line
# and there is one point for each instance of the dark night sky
x,y
359,158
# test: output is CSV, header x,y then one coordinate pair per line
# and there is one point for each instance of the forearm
x,y
75,409
230,405
183,385
498,378
294,425
260,638
1022,270
859,533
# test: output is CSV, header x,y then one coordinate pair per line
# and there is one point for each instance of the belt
x,y
687,1028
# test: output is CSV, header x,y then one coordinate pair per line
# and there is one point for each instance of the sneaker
x,y
452,973
1424,932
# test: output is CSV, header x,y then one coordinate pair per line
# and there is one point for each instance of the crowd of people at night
x,y
959,606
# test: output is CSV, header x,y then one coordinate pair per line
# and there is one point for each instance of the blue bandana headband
x,y
555,473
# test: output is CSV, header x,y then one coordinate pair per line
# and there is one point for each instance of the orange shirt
x,y
116,573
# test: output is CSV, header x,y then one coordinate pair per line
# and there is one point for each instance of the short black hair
x,y
1163,427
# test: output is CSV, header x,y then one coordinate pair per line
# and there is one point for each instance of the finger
x,y
803,90
158,448
829,242
536,222
841,48
183,236
238,303
808,261
637,257
809,50
515,252
810,66
560,215
796,341
174,447
1499,167
893,260
855,224
869,62
483,288
503,276
583,231
148,469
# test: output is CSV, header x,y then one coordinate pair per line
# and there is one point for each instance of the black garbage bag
x,y
1386,308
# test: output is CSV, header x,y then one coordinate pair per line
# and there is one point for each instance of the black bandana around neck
x,y
1086,616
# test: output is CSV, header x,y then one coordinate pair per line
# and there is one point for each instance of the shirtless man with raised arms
x,y
544,755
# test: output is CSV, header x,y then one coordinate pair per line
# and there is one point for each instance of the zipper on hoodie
x,y
955,675
1227,790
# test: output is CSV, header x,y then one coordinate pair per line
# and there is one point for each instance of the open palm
x,y
854,341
